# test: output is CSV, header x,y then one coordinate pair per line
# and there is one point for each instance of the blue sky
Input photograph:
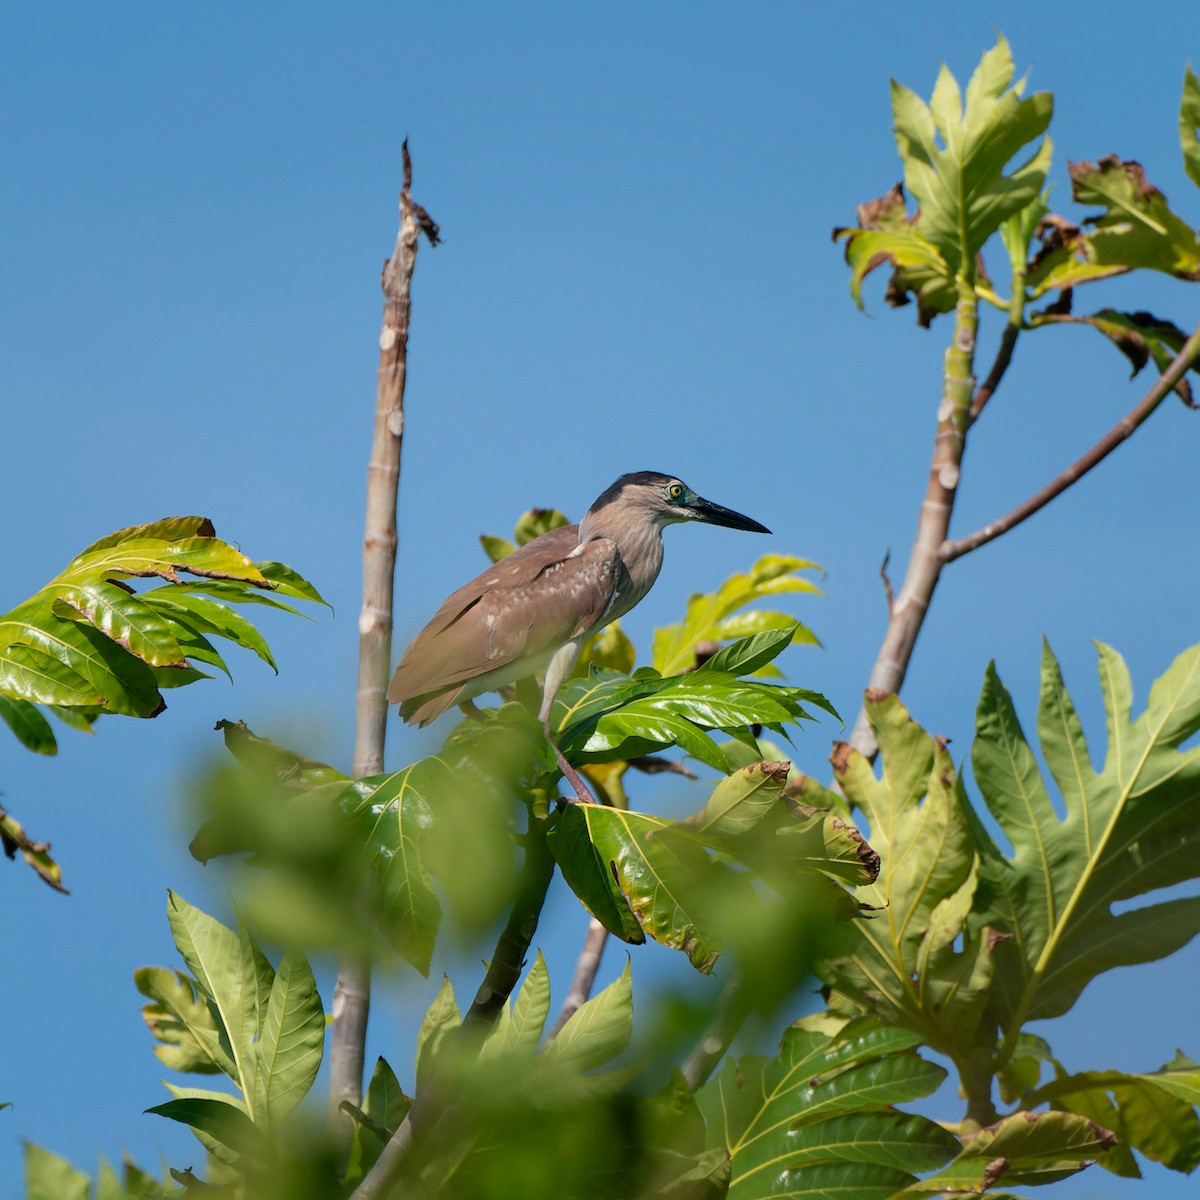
x,y
637,274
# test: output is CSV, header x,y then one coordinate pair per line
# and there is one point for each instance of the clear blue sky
x,y
637,273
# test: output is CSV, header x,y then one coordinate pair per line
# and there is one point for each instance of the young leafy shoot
x,y
233,1014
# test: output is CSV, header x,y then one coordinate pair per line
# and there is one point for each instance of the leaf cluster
x,y
956,151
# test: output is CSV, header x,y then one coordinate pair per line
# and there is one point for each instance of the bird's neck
x,y
638,542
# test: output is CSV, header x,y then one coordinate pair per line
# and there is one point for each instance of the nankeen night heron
x,y
532,611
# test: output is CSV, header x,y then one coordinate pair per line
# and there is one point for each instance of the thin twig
x,y
352,994
987,389
1101,450
887,583
586,968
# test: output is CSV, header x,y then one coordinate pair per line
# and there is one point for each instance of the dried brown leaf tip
x,y
995,937
867,856
839,758
777,772
884,212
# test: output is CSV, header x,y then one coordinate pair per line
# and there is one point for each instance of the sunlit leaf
x,y
885,234
817,1121
14,840
598,1030
772,575
290,1041
1153,1113
48,1177
1136,227
655,877
903,962
1189,125
187,1030
1130,828
956,152
88,641
1023,1148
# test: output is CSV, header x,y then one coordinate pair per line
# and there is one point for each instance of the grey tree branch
x,y
933,524
352,994
1124,428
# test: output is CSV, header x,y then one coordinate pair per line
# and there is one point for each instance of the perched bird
x,y
532,611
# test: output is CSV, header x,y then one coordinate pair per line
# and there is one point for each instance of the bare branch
x,y
1162,387
351,997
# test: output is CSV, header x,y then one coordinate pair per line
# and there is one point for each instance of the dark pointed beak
x,y
718,514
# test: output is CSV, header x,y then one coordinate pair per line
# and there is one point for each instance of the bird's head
x,y
663,499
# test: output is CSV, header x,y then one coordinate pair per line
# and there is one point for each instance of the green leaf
x,y
496,548
210,618
903,962
1189,123
660,878
753,651
674,648
817,1121
385,1100
589,876
125,618
1129,829
530,1009
187,1030
86,640
1026,1147
536,522
449,817
288,582
1137,228
290,1041
48,1177
607,716
440,1019
598,1030
1152,1113
32,729
885,234
214,955
222,1121
741,800
955,155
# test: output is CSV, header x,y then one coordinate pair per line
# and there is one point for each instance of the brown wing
x,y
547,593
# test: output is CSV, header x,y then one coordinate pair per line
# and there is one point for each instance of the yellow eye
x,y
675,491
